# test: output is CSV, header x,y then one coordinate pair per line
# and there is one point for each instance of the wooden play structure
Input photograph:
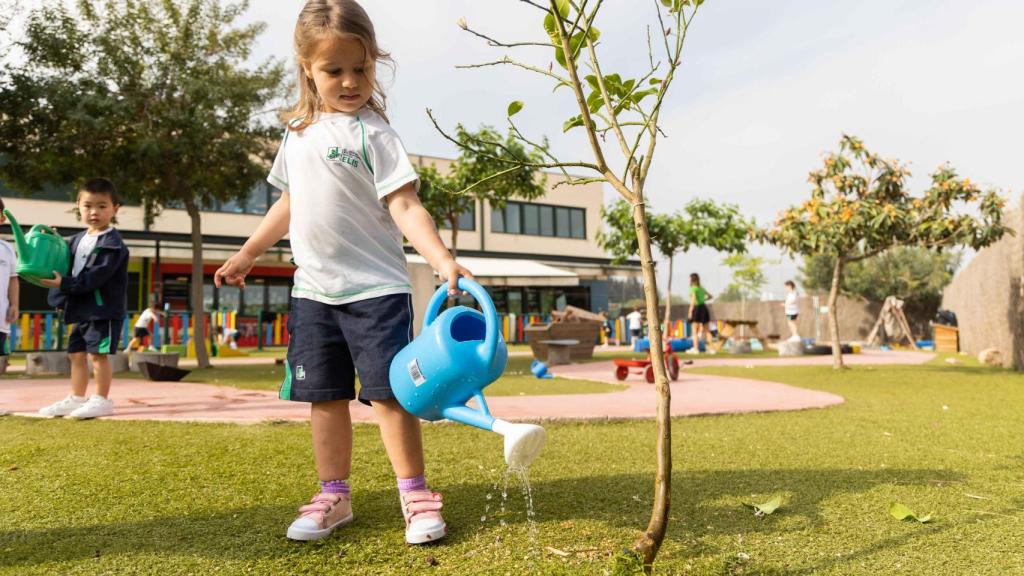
x,y
736,330
891,320
571,324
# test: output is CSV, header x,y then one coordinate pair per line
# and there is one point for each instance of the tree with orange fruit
x,y
860,207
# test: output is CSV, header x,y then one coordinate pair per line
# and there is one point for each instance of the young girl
x,y
348,195
699,315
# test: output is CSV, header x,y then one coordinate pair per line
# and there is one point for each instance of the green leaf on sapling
x,y
514,107
765,508
572,123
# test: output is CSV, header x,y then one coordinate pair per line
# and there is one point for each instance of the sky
x,y
765,88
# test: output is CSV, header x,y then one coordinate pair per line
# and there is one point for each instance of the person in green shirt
x,y
699,315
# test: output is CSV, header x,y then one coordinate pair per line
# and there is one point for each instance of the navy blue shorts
x,y
328,344
96,337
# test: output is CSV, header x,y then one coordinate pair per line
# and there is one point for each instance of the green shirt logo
x,y
336,155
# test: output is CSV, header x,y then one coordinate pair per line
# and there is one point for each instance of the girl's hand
x,y
450,270
233,271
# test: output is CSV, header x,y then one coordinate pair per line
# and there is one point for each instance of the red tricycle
x,y
645,367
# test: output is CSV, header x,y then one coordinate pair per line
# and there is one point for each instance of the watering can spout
x,y
523,442
19,236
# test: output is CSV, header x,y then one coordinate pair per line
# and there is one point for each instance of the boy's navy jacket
x,y
100,291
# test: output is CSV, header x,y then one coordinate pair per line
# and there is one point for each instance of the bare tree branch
x,y
498,43
511,62
549,165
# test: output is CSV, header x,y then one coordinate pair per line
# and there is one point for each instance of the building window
x,y
547,221
513,219
562,222
540,220
577,223
531,219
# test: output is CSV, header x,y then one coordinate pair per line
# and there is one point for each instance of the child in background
x,y
227,337
9,295
348,195
699,315
147,324
635,322
791,307
94,297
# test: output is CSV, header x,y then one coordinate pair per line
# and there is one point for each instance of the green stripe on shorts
x,y
286,387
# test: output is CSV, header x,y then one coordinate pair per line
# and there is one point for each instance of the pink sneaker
x,y
422,511
321,516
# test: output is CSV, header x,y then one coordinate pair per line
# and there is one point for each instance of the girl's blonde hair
x,y
347,19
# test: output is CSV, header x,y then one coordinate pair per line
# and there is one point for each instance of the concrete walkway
x,y
693,394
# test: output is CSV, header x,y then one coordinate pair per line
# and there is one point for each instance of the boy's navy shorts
x,y
95,337
328,344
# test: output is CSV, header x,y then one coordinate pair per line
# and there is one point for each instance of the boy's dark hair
x,y
695,279
790,284
2,204
101,186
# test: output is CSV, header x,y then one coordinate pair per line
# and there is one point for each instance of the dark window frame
x,y
520,208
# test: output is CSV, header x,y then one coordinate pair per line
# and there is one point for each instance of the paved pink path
x,y
693,394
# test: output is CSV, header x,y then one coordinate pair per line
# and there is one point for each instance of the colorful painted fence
x,y
46,331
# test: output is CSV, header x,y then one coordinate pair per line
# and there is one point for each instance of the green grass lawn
x,y
101,497
517,380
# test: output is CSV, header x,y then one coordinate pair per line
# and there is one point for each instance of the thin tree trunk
x,y
198,314
668,304
650,541
454,224
833,315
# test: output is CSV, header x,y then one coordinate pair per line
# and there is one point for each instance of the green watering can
x,y
40,252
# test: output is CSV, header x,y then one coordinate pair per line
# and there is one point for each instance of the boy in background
x,y
147,324
94,297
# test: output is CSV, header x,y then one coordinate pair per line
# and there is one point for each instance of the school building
x,y
533,257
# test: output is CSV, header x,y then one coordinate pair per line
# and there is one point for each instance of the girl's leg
x,y
404,444
402,439
103,373
332,439
331,508
79,373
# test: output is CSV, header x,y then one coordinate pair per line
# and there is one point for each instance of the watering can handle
x,y
490,344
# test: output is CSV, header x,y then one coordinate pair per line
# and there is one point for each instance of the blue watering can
x,y
540,369
456,355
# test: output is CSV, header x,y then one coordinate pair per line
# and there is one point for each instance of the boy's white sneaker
x,y
95,407
64,407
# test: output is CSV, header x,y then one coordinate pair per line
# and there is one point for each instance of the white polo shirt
x,y
344,241
8,262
